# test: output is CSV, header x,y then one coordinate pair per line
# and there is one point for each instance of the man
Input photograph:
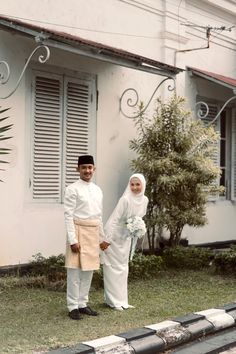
x,y
83,219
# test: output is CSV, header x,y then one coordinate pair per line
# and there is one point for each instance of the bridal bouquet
x,y
136,227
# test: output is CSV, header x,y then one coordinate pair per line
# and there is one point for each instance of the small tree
x,y
3,130
174,153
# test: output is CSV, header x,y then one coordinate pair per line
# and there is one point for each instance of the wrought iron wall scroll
x,y
132,101
133,98
5,74
202,115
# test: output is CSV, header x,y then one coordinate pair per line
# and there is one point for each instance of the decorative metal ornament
x,y
4,77
133,98
199,111
202,115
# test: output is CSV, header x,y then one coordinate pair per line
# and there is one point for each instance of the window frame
x,y
64,74
233,155
230,149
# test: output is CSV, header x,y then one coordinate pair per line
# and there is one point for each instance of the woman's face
x,y
135,185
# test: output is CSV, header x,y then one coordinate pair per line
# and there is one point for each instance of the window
x,y
63,110
225,156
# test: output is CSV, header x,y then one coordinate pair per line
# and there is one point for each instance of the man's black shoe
x,y
74,314
88,311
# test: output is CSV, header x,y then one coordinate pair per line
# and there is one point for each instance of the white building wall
x,y
151,28
27,227
130,25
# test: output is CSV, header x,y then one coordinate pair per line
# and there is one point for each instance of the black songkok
x,y
85,160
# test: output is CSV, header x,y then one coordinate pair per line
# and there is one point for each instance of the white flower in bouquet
x,y
136,227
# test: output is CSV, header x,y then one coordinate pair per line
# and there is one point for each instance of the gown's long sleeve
x,y
117,218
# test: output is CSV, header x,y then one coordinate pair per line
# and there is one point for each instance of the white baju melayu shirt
x,y
83,200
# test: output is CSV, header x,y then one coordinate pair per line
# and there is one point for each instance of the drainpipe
x,y
208,33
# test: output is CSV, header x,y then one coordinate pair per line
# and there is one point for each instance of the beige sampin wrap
x,y
87,233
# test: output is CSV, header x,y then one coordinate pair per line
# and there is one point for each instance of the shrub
x,y
174,152
144,266
97,281
53,271
52,267
12,282
225,262
187,257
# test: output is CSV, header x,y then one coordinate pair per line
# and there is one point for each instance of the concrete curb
x,y
159,337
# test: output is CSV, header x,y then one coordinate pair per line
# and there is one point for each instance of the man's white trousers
x,y
78,286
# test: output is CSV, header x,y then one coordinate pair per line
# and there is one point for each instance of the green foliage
x,y
174,152
12,282
51,270
97,281
145,266
187,257
3,130
50,273
225,262
51,267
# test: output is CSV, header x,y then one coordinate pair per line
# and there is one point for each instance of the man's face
x,y
86,172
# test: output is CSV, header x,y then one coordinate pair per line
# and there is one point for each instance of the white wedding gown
x,y
115,258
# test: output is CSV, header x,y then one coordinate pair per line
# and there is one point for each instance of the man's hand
x,y
104,245
75,248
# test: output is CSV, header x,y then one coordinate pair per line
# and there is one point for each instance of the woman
x,y
116,257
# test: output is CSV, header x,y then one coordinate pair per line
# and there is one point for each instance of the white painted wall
x,y
128,25
28,228
221,224
149,27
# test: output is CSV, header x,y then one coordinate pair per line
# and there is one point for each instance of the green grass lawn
x,y
35,320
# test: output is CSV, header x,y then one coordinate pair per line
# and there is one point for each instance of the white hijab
x,y
137,199
137,203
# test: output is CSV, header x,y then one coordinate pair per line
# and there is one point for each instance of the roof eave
x,y
212,79
105,53
107,57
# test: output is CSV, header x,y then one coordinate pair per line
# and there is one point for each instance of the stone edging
x,y
158,337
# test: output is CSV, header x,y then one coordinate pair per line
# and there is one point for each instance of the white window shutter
x,y
77,125
233,157
213,110
47,111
